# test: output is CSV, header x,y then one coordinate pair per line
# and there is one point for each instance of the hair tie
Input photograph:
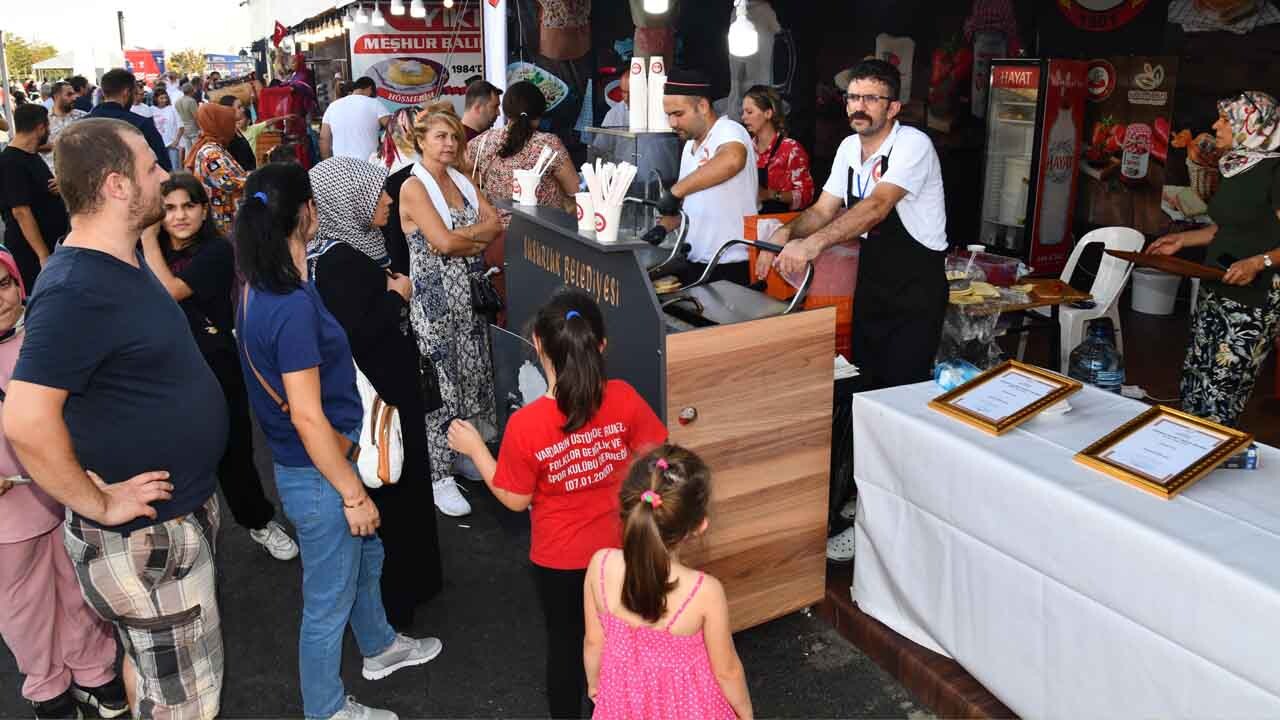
x,y
651,497
662,464
572,314
524,114
261,196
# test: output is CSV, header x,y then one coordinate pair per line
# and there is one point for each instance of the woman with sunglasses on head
x,y
197,266
1236,319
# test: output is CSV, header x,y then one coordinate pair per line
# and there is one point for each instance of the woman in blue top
x,y
302,387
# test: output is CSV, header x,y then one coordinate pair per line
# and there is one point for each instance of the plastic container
x,y
997,269
1096,360
1154,292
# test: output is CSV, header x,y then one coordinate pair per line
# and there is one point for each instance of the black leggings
x,y
237,475
560,592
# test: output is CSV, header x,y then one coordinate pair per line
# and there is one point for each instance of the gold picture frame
x,y
1108,455
957,401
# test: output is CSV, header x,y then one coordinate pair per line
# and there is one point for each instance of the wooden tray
x,y
1170,264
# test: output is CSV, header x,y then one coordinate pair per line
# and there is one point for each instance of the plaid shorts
x,y
157,586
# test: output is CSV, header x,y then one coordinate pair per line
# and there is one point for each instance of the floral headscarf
x,y
1255,131
347,192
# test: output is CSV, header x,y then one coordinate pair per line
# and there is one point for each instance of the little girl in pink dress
x,y
658,644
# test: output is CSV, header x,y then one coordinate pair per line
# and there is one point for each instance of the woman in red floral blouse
x,y
786,185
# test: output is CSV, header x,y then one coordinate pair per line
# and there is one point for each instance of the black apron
x,y
899,303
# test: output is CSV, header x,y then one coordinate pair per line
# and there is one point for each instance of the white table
x,y
1068,594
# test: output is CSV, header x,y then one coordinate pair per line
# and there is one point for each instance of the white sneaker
x,y
840,546
276,541
449,497
355,711
849,511
404,652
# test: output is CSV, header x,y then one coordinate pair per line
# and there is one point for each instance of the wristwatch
x,y
777,196
1266,261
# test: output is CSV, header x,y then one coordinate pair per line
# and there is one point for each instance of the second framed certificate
x,y
1005,396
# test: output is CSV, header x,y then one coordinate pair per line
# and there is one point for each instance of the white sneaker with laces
x,y
840,546
276,541
404,652
449,498
355,711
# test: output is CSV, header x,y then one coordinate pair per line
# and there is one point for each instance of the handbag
x,y
485,299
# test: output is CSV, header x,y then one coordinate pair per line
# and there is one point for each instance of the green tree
x,y
186,62
20,54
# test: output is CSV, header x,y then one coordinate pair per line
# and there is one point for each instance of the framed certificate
x,y
1005,396
1163,450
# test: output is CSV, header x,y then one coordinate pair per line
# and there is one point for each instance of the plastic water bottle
x,y
1096,360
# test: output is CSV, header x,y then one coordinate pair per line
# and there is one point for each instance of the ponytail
x,y
570,330
274,196
664,501
523,104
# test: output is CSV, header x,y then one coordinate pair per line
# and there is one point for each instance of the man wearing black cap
x,y
718,183
889,179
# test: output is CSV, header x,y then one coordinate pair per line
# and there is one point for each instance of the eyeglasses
x,y
866,99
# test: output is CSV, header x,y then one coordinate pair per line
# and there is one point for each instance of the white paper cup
x,y
586,212
607,220
524,187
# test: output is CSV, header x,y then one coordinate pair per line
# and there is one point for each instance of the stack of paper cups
x,y
639,120
657,81
586,212
607,219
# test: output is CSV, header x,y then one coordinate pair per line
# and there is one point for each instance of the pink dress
x,y
650,674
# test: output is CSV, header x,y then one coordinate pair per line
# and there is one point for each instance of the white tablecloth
x,y
1067,593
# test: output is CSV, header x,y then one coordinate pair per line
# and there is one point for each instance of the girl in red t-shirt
x,y
566,454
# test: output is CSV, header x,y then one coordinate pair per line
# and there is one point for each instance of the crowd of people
x,y
173,308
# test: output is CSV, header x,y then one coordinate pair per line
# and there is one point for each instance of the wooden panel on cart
x,y
762,391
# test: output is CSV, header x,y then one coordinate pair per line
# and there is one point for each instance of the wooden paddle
x,y
1170,264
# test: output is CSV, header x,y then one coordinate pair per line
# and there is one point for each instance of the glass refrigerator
x,y
1035,116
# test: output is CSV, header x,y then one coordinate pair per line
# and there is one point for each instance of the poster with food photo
x,y
416,61
1124,167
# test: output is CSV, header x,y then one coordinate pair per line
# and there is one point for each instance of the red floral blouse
x,y
788,168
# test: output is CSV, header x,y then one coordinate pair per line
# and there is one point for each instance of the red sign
x,y
1100,15
145,64
1016,77
1102,80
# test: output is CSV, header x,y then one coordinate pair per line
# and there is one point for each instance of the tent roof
x,y
57,62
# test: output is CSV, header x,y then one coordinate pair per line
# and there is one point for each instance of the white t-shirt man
x,y
913,166
716,214
143,110
355,122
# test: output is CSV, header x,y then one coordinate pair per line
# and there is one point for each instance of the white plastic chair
x,y
1112,275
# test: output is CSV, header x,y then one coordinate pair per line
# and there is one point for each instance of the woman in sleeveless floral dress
x,y
448,226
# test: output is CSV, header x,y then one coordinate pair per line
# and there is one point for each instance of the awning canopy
x,y
63,61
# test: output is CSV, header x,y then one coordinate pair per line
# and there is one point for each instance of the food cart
x,y
751,397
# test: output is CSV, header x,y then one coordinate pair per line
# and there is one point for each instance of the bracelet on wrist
x,y
363,500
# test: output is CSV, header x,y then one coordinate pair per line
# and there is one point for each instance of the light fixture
x,y
348,20
362,17
656,7
376,19
397,7
448,4
417,9
744,41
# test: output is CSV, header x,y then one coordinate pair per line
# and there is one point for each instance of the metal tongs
x,y
655,239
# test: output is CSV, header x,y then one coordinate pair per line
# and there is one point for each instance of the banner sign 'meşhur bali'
x,y
416,60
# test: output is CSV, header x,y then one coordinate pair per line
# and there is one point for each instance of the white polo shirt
x,y
355,121
913,166
716,214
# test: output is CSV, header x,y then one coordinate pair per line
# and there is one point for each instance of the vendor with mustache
x,y
888,179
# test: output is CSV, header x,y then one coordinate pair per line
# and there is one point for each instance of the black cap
x,y
688,82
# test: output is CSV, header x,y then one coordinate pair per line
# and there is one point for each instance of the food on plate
x,y
1185,200
552,87
408,72
966,299
984,289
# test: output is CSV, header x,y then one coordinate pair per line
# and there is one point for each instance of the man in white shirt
x,y
351,124
889,179
718,183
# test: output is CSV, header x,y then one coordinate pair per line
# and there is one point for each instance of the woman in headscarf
x,y
1236,319
61,646
211,162
349,268
398,154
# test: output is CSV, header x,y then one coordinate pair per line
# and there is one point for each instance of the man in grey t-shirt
x,y
186,106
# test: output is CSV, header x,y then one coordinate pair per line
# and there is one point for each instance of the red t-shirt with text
x,y
575,478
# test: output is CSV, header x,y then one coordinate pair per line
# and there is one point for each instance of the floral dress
x,y
496,174
223,179
453,336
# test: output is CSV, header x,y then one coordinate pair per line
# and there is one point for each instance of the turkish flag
x,y
279,34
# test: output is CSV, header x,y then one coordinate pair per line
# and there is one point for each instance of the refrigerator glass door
x,y
1011,133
